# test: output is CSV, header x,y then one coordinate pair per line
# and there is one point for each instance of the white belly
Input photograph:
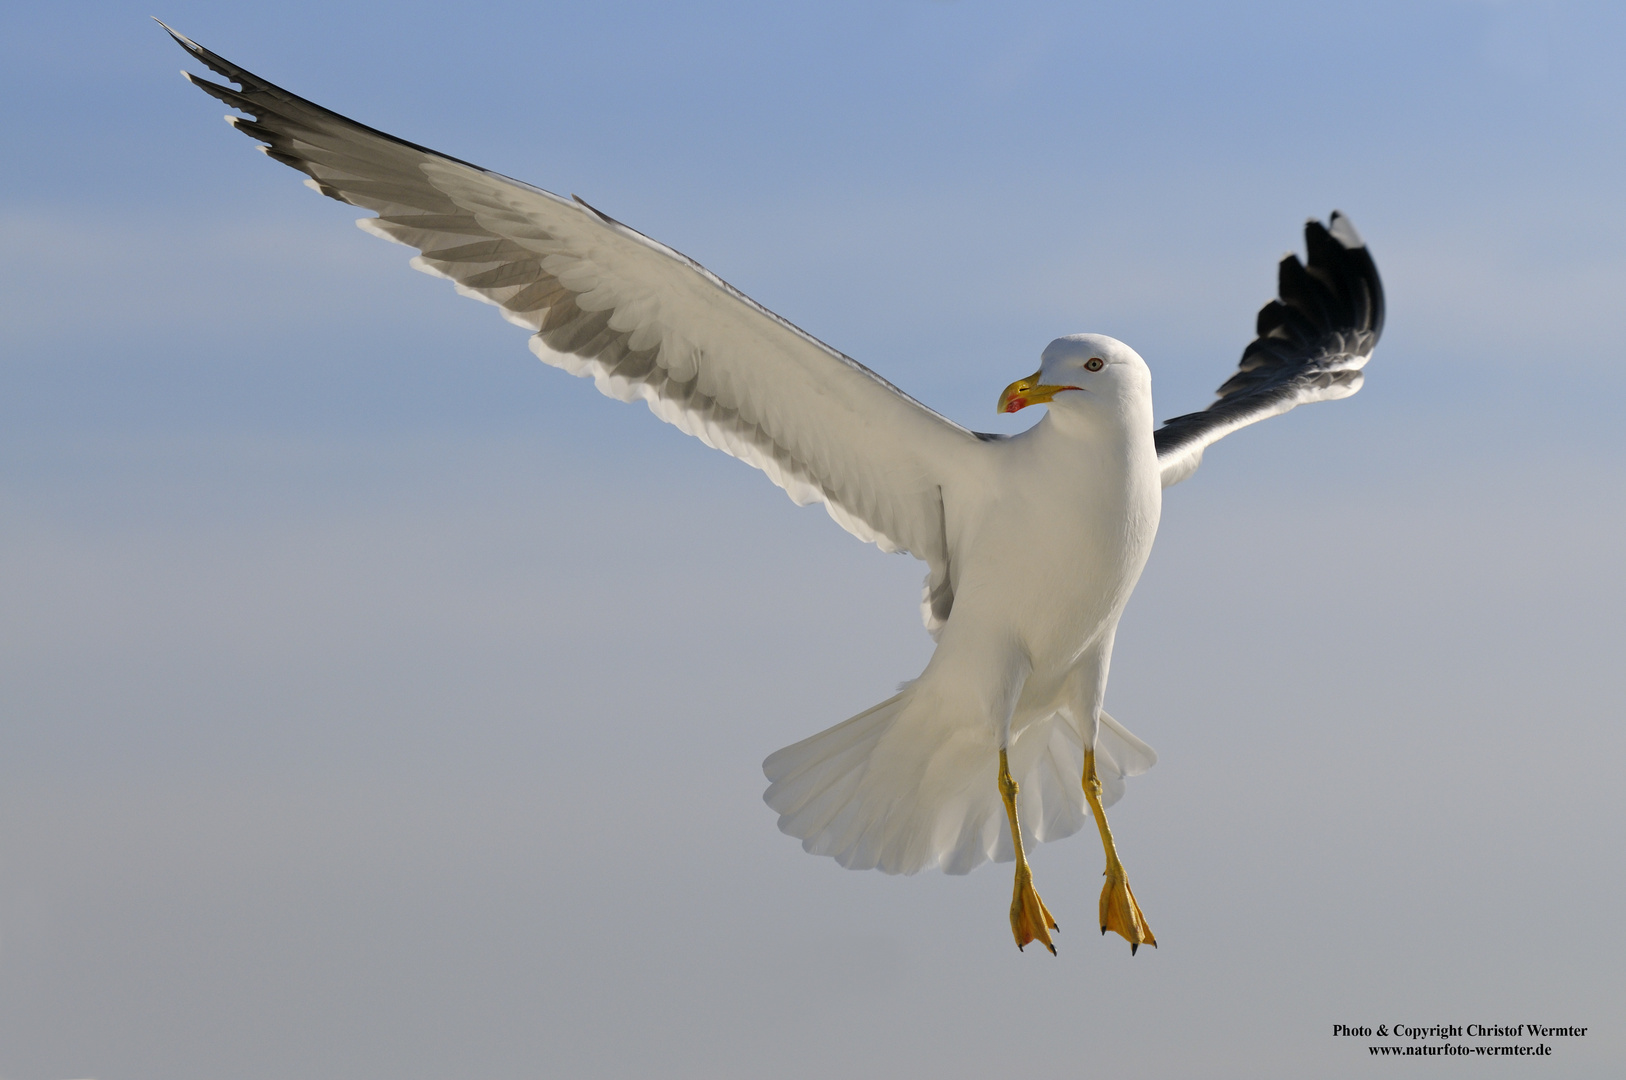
x,y
1046,567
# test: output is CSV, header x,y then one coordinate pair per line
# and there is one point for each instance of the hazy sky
x,y
376,702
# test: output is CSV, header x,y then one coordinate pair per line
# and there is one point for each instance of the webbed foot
x,y
1030,919
1120,913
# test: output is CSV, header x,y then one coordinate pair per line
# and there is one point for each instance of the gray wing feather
x,y
643,321
1314,339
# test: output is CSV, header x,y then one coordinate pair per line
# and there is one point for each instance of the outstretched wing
x,y
644,321
1314,338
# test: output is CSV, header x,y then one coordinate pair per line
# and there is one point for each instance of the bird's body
x,y
1079,525
1033,543
1047,541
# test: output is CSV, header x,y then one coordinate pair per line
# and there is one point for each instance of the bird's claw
x,y
1120,913
1030,919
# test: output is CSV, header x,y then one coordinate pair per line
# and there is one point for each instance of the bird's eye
x,y
1094,363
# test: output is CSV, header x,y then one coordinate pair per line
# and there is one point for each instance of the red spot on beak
x,y
1016,404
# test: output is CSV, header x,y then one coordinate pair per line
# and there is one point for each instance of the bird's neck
x,y
1116,420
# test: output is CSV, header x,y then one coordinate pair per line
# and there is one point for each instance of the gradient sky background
x,y
377,702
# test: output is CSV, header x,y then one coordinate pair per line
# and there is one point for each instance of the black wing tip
x,y
197,51
1341,229
185,42
213,61
602,216
256,95
1329,304
192,48
1350,296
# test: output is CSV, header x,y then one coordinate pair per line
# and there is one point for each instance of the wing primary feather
x,y
254,84
645,322
1312,342
606,218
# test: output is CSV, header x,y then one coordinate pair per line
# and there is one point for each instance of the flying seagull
x,y
1033,542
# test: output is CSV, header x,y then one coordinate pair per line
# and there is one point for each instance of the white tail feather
x,y
901,789
1118,755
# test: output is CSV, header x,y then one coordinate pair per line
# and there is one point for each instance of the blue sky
x,y
375,700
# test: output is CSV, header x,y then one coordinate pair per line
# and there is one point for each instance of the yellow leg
x,y
1119,912
1030,919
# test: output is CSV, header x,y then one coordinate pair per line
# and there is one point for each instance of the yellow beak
x,y
1024,392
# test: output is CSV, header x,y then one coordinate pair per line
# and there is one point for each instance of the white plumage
x,y
1032,543
1046,537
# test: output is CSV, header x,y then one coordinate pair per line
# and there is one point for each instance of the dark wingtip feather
x,y
258,98
606,218
1344,230
1328,314
213,61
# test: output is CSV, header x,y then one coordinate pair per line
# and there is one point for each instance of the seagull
x,y
1032,542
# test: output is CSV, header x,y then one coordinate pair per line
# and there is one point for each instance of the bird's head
x,y
1091,363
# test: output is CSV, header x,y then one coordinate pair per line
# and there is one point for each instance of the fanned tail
x,y
1118,755
902,787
